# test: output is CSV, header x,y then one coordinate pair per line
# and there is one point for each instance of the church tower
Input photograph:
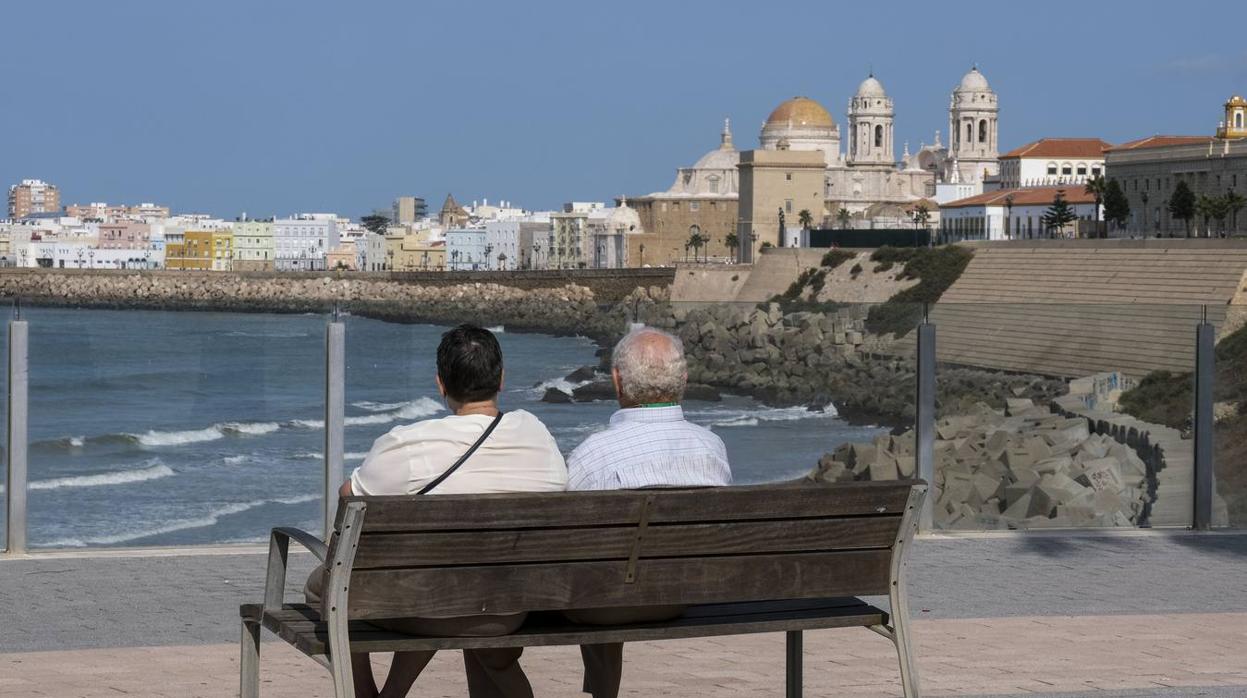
x,y
870,125
972,117
1235,124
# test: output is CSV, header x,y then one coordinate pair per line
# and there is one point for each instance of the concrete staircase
x,y
1073,308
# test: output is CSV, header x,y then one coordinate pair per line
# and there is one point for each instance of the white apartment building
x,y
1013,214
1051,162
511,240
301,242
467,249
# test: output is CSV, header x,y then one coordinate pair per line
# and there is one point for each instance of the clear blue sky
x,y
273,107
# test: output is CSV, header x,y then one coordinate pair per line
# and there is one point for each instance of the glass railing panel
x,y
6,314
785,387
1230,418
1063,415
152,428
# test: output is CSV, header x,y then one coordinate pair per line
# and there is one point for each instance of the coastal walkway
x,y
1141,613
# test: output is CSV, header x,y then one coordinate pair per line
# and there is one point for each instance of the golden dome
x,y
801,111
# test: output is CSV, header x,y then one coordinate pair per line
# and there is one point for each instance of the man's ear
x,y
502,380
441,389
617,381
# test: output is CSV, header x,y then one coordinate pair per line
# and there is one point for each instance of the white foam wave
x,y
317,455
179,438
752,418
354,455
497,329
121,477
77,441
235,460
250,428
404,411
312,455
209,519
558,384
370,406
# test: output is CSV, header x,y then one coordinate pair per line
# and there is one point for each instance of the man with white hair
x,y
647,444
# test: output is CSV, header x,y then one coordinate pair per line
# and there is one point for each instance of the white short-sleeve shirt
x,y
649,447
519,456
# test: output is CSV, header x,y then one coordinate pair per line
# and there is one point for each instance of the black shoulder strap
x,y
462,459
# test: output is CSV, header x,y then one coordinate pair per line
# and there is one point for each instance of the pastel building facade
x,y
253,247
301,243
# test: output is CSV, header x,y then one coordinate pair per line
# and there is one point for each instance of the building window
x,y
1082,170
970,133
1067,170
788,205
1238,120
1095,171
694,205
1052,169
713,183
879,136
788,176
982,130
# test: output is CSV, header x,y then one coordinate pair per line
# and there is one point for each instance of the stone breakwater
x,y
1024,467
570,309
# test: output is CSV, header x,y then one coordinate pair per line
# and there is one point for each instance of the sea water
x,y
180,428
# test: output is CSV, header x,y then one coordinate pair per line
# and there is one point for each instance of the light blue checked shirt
x,y
649,447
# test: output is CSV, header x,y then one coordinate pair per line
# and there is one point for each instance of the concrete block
x,y
1104,475
985,486
884,468
1016,457
1025,476
860,453
906,466
1051,466
958,486
1017,405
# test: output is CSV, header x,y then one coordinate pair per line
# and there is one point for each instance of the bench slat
x,y
390,550
500,589
559,510
301,626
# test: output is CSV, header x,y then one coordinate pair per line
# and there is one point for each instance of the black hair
x,y
469,362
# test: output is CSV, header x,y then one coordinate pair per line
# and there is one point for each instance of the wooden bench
x,y
768,558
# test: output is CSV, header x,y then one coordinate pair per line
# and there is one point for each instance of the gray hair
x,y
651,366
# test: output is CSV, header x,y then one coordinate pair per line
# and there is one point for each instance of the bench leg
x,y
909,668
793,664
249,661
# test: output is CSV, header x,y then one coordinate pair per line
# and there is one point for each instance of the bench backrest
x,y
451,555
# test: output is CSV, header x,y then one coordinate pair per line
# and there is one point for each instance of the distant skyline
x,y
281,107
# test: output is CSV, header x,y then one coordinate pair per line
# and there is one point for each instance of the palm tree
x,y
1234,202
843,217
1204,208
1008,216
805,218
1096,187
488,250
695,241
731,242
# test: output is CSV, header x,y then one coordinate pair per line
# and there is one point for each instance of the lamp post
x,y
91,258
1144,197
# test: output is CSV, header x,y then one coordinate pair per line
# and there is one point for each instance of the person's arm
x,y
345,490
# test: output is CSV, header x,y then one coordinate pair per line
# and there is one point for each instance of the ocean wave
x,y
317,455
752,418
178,438
370,406
415,409
267,335
209,519
558,384
155,471
497,329
235,460
250,428
355,455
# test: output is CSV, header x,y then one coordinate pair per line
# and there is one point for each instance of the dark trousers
x,y
492,673
604,662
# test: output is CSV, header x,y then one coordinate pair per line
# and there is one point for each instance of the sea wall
x,y
607,285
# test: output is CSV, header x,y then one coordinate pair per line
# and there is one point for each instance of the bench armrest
x,y
278,552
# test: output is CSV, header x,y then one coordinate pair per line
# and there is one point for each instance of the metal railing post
x,y
925,415
1205,367
15,480
335,416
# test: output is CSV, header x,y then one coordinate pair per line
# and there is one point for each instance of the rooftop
x,y
1161,142
1060,148
1026,196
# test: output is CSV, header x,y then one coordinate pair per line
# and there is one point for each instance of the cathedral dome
x,y
801,111
871,87
973,81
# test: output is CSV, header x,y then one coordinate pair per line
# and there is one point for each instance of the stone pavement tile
x,y
1076,656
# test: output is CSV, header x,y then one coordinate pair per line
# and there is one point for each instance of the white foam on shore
x,y
402,411
497,329
77,441
726,418
558,384
155,471
205,521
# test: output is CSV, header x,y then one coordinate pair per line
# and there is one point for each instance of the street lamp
x,y
91,257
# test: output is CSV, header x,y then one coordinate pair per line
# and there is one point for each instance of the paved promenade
x,y
1125,615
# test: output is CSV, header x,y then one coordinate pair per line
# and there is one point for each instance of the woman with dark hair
x,y
477,449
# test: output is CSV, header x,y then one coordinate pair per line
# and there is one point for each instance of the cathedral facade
x,y
863,174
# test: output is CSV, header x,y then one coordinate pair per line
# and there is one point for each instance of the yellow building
x,y
201,250
342,257
414,252
775,186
